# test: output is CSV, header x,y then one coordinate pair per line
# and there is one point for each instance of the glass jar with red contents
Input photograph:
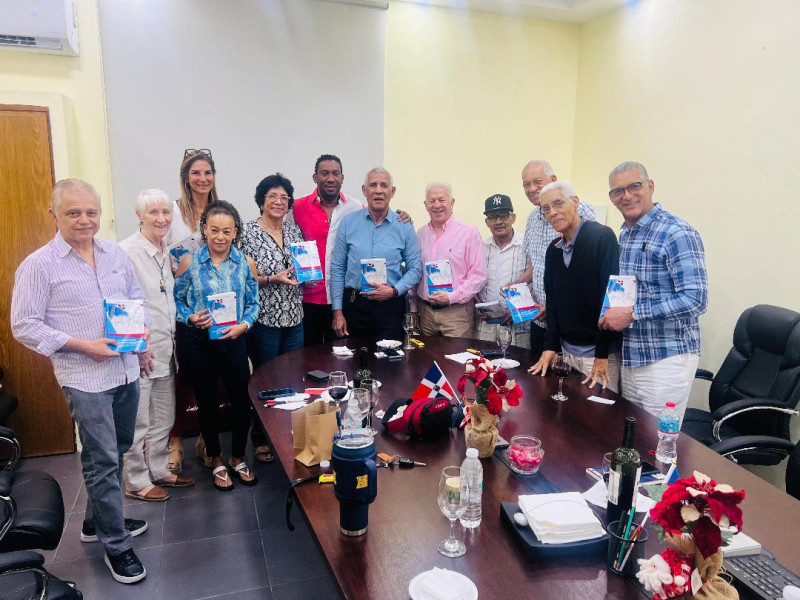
x,y
525,454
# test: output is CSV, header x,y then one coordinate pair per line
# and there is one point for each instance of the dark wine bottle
x,y
363,368
623,479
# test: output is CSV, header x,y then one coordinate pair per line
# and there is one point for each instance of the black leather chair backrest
x,y
793,473
763,363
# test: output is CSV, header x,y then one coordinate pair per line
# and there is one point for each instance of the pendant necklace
x,y
163,282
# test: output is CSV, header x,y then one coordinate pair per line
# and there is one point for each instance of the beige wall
x,y
470,98
73,89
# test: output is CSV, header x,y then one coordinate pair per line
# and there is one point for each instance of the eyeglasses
x,y
193,151
618,193
495,217
548,208
281,197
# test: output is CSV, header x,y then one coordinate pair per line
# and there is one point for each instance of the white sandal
x,y
223,478
241,471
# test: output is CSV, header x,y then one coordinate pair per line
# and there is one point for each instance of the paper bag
x,y
314,426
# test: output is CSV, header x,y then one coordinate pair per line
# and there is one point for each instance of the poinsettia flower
x,y
494,403
707,536
513,395
499,378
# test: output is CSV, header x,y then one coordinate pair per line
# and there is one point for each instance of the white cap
x,y
472,453
324,464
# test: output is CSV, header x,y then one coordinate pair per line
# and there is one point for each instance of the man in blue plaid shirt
x,y
661,344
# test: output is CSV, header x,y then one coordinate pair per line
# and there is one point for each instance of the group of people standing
x,y
131,420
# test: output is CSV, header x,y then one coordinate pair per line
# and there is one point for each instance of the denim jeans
x,y
106,422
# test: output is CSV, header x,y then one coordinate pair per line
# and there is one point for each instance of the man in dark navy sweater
x,y
577,267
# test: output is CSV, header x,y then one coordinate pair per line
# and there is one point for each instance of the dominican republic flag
x,y
434,384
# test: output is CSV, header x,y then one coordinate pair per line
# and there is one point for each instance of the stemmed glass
x,y
453,500
560,368
337,386
408,325
360,398
372,389
503,337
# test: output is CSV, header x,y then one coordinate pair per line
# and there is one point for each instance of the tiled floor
x,y
200,543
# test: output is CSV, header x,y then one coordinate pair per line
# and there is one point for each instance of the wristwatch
x,y
395,292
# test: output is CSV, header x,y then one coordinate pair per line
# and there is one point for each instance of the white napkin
x,y
601,400
342,351
441,584
293,402
461,357
560,518
598,495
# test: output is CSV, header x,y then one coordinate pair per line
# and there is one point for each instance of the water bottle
x,y
473,470
669,425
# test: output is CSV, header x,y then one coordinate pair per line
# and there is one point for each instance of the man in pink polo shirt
x,y
446,302
318,216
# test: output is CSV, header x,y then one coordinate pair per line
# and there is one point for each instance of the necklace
x,y
163,281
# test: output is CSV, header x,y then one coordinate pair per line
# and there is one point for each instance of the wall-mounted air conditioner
x,y
48,26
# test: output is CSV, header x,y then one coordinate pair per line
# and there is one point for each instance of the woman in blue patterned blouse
x,y
218,268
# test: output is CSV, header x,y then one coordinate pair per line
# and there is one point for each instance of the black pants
x,y
537,341
374,319
205,361
317,324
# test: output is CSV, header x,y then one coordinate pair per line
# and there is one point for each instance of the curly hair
x,y
188,209
221,207
270,182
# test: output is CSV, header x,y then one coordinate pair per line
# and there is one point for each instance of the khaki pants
x,y
453,321
584,364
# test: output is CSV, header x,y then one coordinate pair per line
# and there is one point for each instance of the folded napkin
x,y
601,400
442,584
461,357
560,518
342,351
293,402
598,495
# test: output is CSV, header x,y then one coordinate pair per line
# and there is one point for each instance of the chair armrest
x,y
704,374
738,407
6,482
732,446
20,559
7,437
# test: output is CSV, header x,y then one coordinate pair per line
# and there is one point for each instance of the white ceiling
x,y
571,11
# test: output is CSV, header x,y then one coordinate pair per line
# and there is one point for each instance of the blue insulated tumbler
x,y
356,483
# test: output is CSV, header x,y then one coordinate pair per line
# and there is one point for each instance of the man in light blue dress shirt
x,y
373,232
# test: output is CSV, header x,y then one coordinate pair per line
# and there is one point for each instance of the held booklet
x,y
188,245
439,276
521,304
222,308
125,324
491,310
373,273
621,291
307,266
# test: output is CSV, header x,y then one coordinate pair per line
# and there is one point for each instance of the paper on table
x,y
442,584
598,495
292,402
601,400
560,518
461,357
342,351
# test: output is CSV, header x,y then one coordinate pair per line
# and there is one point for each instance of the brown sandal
x,y
264,454
175,464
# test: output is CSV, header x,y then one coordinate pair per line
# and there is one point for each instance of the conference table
x,y
406,525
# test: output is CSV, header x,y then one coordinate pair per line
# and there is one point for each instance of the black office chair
x,y
8,403
747,443
756,390
23,577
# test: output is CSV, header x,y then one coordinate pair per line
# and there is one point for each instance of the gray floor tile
x,y
292,555
209,567
323,588
70,488
221,513
60,465
259,594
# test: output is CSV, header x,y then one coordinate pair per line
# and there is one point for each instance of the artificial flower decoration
x,y
493,388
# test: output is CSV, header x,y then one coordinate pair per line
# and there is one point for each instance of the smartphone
x,y
276,393
492,353
391,352
649,469
318,376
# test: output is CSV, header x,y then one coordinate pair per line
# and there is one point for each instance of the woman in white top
x,y
198,190
145,470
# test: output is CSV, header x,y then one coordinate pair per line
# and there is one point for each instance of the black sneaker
x,y
134,526
126,567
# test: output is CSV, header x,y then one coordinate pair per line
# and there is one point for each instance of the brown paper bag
x,y
314,426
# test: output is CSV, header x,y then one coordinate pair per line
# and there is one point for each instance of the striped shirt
x,y
666,254
538,235
203,279
57,296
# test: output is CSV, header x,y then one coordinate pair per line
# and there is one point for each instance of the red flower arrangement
x,y
493,388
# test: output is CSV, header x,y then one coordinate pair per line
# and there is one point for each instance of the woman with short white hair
x,y
145,473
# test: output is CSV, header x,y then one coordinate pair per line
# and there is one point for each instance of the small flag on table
x,y
434,384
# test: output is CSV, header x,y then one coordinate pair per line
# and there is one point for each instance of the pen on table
x,y
634,537
625,537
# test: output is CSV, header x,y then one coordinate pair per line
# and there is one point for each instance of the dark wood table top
x,y
406,525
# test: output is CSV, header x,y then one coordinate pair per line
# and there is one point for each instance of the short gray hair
x,y
72,185
548,170
379,170
565,187
627,166
441,184
148,198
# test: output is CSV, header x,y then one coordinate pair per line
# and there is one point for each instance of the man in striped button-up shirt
x,y
57,310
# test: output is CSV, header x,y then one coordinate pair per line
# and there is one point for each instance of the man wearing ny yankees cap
x,y
505,261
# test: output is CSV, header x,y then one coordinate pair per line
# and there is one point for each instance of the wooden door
x,y
42,422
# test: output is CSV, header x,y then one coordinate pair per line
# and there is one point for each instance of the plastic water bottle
x,y
668,430
473,470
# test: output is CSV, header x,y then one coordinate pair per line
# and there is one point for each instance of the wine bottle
x,y
623,479
363,369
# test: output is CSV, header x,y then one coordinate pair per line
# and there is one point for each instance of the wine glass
x,y
372,389
337,386
408,326
503,337
360,398
606,466
560,368
453,500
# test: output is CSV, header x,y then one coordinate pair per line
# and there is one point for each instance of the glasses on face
x,y
618,193
193,151
554,205
282,197
495,217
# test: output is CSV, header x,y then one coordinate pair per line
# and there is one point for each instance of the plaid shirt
x,y
538,235
666,254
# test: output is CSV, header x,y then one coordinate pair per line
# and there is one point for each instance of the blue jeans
x,y
106,422
265,343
